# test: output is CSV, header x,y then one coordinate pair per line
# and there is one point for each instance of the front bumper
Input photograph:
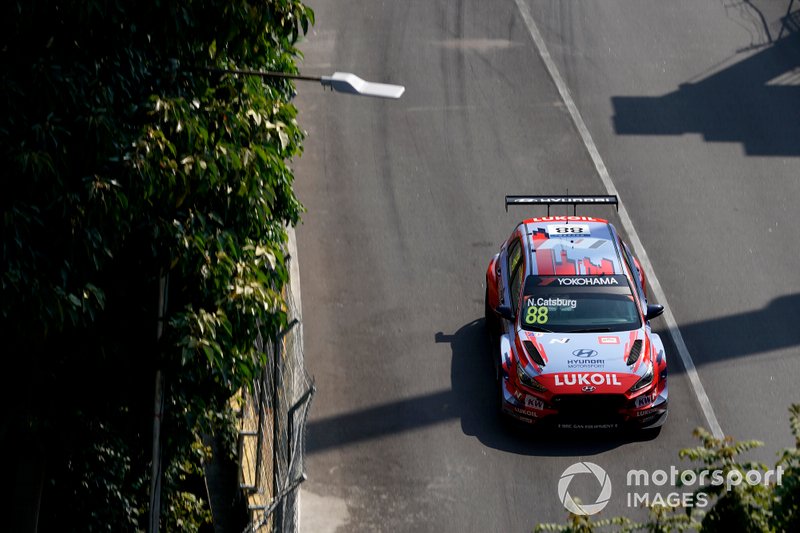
x,y
585,411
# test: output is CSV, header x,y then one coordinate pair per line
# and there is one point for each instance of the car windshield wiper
x,y
538,328
590,330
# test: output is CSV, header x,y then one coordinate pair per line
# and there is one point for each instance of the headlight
x,y
645,380
528,381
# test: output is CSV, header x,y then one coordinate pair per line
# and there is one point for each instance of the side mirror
x,y
653,311
505,312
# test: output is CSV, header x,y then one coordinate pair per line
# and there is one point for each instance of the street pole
x,y
158,412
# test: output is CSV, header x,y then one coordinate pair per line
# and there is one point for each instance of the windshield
x,y
578,304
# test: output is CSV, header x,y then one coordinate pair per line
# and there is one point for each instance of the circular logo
x,y
589,388
585,352
584,468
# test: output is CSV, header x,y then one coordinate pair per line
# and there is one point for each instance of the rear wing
x,y
562,200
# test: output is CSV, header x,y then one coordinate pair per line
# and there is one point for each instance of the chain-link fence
x,y
272,434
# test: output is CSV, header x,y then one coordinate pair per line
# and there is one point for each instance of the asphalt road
x,y
694,107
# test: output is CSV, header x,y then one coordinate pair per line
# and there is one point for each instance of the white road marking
x,y
655,285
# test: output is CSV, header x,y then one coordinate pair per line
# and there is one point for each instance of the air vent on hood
x,y
533,353
636,349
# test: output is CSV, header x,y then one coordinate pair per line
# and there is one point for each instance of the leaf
x,y
284,139
256,117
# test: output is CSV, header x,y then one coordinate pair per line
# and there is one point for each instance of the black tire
x,y
486,311
646,434
652,433
507,422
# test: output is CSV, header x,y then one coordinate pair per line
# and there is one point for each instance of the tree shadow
x,y
374,422
755,102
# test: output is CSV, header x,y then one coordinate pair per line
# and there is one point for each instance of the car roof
x,y
572,246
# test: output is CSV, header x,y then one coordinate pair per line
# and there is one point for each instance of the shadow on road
x,y
381,420
770,328
471,399
754,102
475,393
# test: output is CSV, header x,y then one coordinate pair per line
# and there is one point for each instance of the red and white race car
x,y
567,312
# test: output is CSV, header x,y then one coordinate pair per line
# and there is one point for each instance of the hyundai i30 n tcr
x,y
567,311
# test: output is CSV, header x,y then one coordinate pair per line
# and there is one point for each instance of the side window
x,y
626,253
515,272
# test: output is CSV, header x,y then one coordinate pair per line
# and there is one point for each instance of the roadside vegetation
x,y
750,508
144,206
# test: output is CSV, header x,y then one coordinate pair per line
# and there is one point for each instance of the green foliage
x,y
124,163
667,518
102,472
585,524
185,509
662,519
786,503
744,507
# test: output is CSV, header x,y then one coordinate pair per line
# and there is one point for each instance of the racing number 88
x,y
536,315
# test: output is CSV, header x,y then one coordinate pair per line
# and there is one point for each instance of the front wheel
x,y
650,433
506,421
644,435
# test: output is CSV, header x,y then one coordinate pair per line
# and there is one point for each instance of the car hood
x,y
575,361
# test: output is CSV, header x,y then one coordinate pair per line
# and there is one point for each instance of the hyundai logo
x,y
589,388
585,352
